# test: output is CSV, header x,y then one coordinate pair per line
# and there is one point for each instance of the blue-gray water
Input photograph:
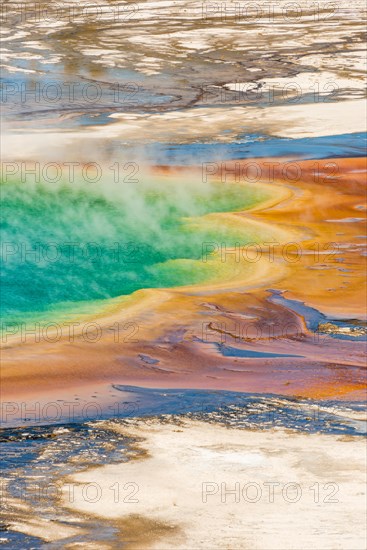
x,y
257,146
314,318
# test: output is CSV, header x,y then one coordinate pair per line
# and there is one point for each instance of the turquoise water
x,y
66,246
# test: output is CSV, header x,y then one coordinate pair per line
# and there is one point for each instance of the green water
x,y
66,246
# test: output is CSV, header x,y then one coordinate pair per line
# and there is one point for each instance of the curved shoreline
x,y
127,305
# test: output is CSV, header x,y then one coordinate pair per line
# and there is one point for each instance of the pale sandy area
x,y
320,85
177,483
297,121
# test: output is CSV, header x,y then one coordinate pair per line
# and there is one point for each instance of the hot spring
x,y
68,247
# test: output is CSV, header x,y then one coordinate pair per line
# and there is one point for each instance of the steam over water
x,y
81,242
